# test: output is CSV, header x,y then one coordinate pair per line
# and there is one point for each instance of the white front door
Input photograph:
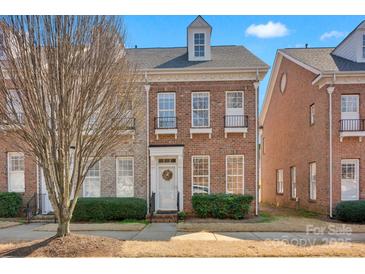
x,y
45,203
167,188
349,179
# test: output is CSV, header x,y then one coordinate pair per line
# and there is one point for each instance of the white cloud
x,y
331,34
268,30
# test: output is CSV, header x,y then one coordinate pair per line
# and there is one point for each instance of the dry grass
x,y
94,246
5,224
96,227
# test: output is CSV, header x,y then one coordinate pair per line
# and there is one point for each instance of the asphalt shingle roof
x,y
177,58
322,59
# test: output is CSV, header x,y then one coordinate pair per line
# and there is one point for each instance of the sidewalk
x,y
167,232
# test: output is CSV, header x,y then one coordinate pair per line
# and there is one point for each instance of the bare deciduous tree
x,y
67,91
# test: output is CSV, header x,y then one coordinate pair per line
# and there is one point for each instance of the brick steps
x,y
162,218
43,218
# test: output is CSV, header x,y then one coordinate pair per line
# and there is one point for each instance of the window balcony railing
x,y
352,125
165,123
235,121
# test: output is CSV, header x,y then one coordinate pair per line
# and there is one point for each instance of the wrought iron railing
x,y
165,122
178,201
152,205
236,121
31,207
352,125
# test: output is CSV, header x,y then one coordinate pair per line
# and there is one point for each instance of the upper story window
x,y
166,110
350,103
14,106
2,54
363,46
312,112
199,44
234,109
200,109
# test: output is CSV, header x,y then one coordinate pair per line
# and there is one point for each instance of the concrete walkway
x,y
166,232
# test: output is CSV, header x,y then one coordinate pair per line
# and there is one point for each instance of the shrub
x,y
10,203
181,215
109,209
351,211
221,205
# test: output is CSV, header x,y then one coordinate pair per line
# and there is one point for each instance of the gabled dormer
x,y
353,46
199,32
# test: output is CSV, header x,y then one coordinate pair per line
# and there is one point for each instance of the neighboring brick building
x,y
307,160
202,118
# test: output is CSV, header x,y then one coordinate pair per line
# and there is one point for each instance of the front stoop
x,y
162,218
49,218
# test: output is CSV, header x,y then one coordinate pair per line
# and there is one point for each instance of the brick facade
x,y
290,140
218,146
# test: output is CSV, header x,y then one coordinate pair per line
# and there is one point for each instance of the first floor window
x,y
200,174
234,173
92,181
293,181
312,181
125,177
200,109
16,181
280,181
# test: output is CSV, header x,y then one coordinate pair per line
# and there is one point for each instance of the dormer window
x,y
363,46
199,44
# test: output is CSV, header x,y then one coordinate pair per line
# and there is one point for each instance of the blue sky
x,y
254,32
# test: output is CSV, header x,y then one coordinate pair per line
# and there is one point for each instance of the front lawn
x,y
94,246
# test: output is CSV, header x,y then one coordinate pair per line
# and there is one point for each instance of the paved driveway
x,y
165,232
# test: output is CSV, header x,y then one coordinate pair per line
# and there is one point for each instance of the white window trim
x,y
13,153
311,182
312,114
243,99
192,109
83,184
293,168
205,45
117,171
158,101
192,172
243,172
281,190
358,102
356,162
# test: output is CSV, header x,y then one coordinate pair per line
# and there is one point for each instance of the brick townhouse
x,y
195,134
202,111
312,126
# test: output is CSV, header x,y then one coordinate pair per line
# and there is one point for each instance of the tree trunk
x,y
63,228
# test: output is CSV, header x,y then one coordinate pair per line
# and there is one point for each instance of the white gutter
x,y
147,89
330,90
256,85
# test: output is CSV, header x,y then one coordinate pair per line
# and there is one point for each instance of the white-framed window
x,y
199,44
16,178
14,104
279,181
200,104
166,109
234,109
293,182
200,171
312,113
363,46
312,181
350,103
235,174
125,177
92,181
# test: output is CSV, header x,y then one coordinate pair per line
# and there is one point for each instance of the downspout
x,y
256,85
147,90
330,90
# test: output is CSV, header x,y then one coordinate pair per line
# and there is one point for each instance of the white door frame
x,y
357,167
158,193
167,152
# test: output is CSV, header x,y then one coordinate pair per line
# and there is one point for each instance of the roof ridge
x,y
184,47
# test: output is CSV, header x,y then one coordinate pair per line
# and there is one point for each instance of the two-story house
x,y
202,108
312,126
